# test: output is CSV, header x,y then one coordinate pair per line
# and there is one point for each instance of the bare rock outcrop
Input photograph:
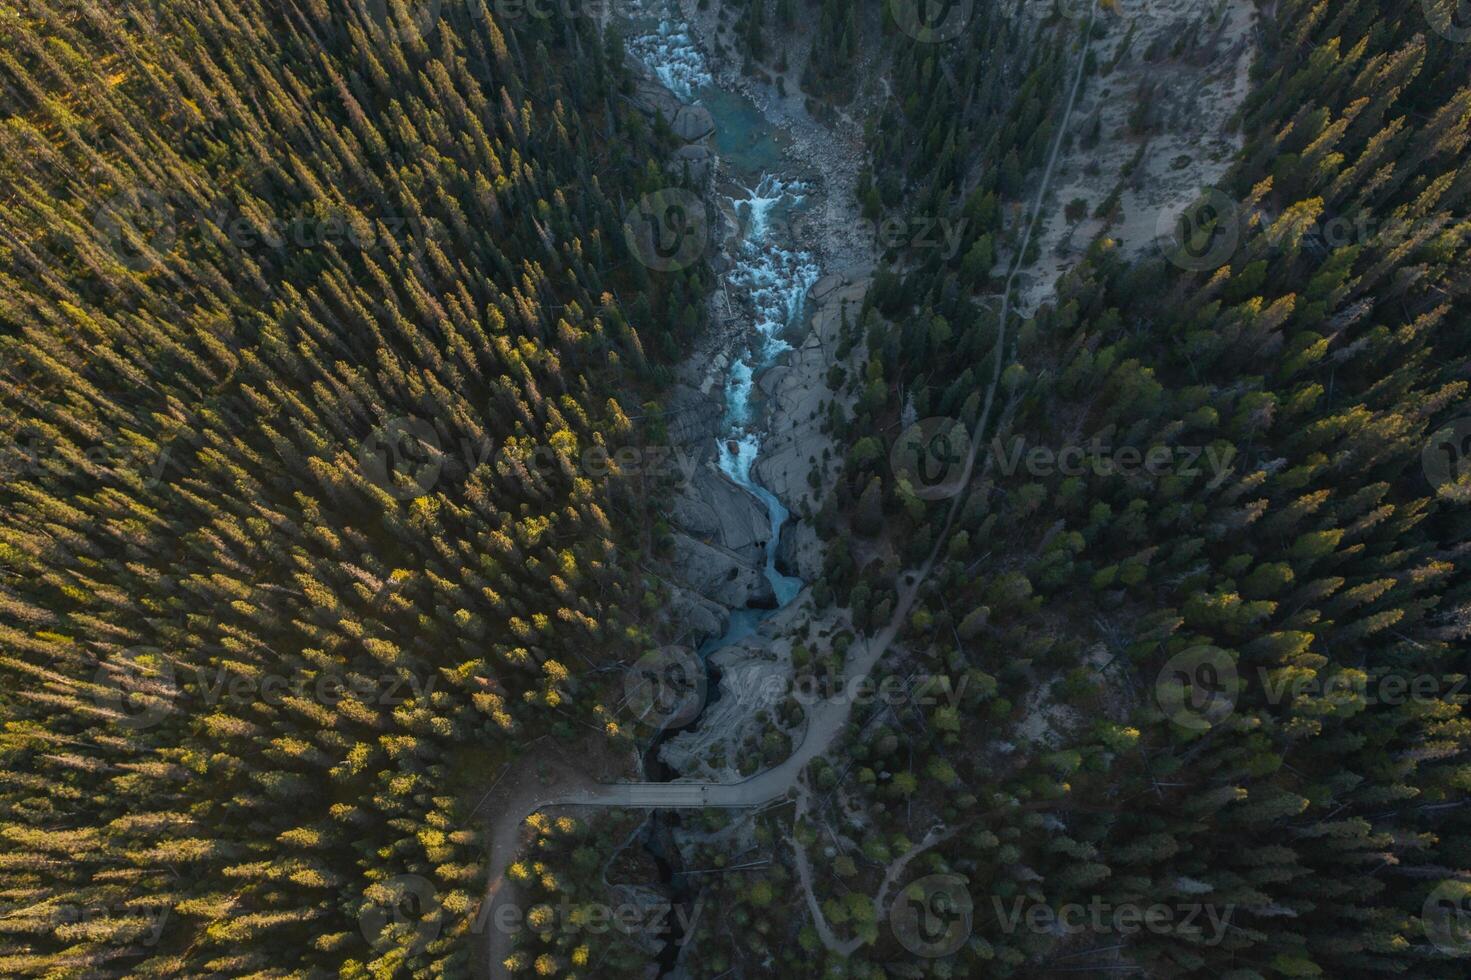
x,y
796,446
692,123
720,530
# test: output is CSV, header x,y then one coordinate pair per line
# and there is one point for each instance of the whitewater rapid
x,y
776,278
669,51
771,275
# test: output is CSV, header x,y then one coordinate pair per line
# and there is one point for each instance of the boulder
x,y
713,508
692,419
690,123
801,551
653,99
697,157
825,286
698,617
717,574
693,122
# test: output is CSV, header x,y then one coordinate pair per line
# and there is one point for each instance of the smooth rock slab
x,y
698,158
653,99
693,122
717,574
713,508
824,287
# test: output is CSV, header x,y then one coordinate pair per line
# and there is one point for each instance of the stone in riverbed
x,y
690,123
693,122
801,551
697,157
717,574
698,616
692,419
719,528
824,287
653,99
714,509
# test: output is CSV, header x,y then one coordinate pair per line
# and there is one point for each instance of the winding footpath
x,y
825,719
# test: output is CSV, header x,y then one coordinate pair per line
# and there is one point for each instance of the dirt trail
x,y
937,834
901,614
528,786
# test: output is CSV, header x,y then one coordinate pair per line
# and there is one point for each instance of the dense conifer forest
x,y
309,316
1313,339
